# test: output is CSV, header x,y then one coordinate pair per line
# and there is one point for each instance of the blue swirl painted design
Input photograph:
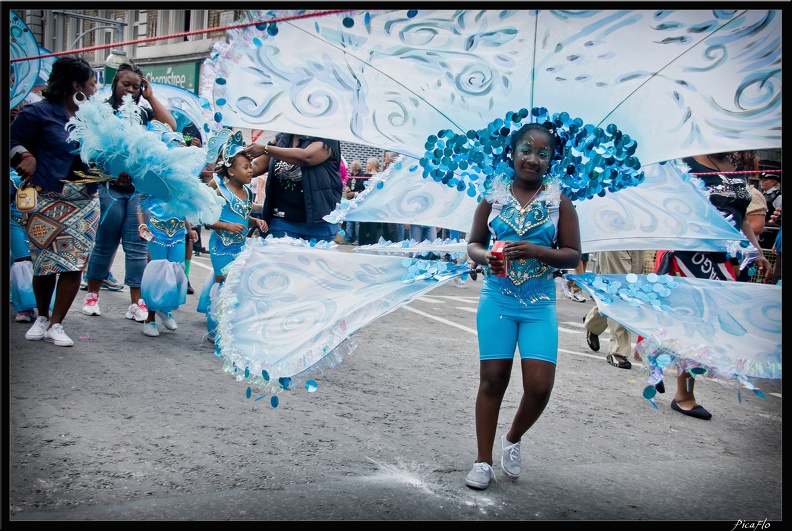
x,y
731,329
709,80
286,306
22,43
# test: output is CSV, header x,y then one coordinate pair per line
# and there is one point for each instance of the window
x,y
199,19
138,27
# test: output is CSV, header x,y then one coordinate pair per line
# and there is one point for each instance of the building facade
x,y
161,47
176,60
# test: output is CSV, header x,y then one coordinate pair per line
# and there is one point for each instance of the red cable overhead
x,y
182,34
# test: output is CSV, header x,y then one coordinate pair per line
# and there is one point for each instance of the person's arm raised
x,y
161,114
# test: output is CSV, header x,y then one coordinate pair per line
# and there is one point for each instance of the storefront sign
x,y
183,75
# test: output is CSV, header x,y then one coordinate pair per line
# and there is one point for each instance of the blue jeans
x,y
351,231
420,233
400,231
118,224
321,231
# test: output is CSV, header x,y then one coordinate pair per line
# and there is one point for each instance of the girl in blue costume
x,y
540,227
164,283
233,174
22,297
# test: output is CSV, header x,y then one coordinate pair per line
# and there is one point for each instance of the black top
x,y
319,187
357,183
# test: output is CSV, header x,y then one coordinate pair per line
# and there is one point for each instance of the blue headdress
x,y
224,146
589,160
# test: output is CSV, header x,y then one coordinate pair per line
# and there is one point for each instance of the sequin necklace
x,y
527,205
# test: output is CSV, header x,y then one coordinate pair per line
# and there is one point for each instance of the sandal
x,y
622,364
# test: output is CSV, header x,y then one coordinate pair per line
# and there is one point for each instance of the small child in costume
x,y
164,283
233,174
23,299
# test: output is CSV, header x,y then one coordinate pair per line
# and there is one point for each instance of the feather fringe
x,y
117,142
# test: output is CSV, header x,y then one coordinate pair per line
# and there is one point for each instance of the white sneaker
x,y
168,321
479,477
111,283
36,331
56,335
151,329
138,311
510,460
578,297
460,283
91,306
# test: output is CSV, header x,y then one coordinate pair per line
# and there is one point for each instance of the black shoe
x,y
613,360
698,411
593,341
190,289
660,386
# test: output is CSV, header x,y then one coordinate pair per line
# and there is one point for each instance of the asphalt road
x,y
126,427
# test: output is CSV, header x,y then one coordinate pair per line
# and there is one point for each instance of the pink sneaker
x,y
26,316
91,306
138,311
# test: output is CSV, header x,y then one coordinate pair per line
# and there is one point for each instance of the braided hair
x,y
114,101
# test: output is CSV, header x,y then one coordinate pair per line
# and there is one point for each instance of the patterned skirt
x,y
62,229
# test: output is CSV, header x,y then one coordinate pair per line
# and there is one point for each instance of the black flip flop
x,y
697,412
623,364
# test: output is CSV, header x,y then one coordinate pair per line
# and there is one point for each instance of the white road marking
x,y
200,264
441,320
603,339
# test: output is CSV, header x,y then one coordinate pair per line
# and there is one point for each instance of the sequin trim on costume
x,y
240,207
230,238
169,226
527,278
522,219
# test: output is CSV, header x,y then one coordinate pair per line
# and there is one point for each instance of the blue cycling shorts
x,y
504,323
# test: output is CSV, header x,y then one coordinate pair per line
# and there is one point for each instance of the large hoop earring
x,y
79,98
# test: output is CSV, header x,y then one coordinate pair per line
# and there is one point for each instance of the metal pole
x,y
86,32
117,55
59,22
88,17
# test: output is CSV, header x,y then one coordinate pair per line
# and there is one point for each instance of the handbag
x,y
26,199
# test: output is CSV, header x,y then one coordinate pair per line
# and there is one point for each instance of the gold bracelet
x,y
142,226
266,149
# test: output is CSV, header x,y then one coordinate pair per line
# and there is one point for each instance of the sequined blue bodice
x,y
235,210
528,279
